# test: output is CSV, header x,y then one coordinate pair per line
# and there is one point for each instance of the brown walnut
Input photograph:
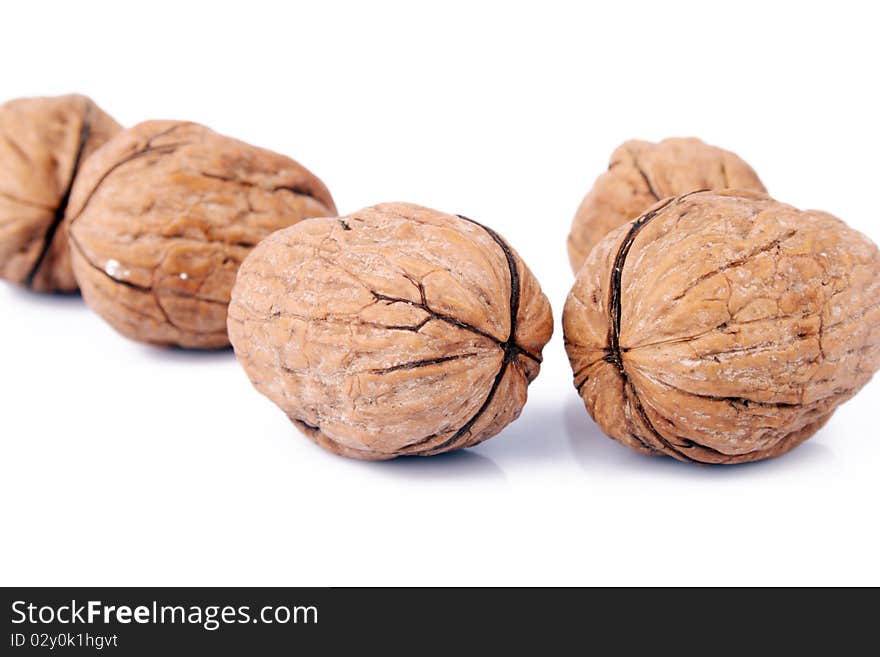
x,y
162,216
43,143
723,327
397,330
641,173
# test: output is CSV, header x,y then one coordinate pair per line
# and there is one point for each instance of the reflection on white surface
x,y
172,355
534,439
18,297
456,467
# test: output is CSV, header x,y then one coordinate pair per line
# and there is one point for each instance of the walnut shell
x,y
723,327
641,173
396,330
163,215
43,143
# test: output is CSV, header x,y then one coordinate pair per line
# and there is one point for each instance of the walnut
x,y
641,173
162,217
723,327
397,330
43,142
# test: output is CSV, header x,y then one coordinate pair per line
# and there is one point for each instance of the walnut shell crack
x,y
640,173
43,144
396,330
163,215
723,327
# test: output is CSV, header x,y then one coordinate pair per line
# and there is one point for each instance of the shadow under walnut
x,y
396,330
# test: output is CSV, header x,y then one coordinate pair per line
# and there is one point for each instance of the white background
x,y
126,464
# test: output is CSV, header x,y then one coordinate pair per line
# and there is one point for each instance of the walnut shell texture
x,y
397,330
723,327
641,173
43,143
163,215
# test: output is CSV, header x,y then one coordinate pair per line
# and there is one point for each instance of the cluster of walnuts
x,y
708,322
714,326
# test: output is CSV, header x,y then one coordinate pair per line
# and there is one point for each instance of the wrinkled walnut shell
x,y
395,330
640,173
43,143
723,327
163,215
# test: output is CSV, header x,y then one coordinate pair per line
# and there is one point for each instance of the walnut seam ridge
x,y
511,349
58,218
615,356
